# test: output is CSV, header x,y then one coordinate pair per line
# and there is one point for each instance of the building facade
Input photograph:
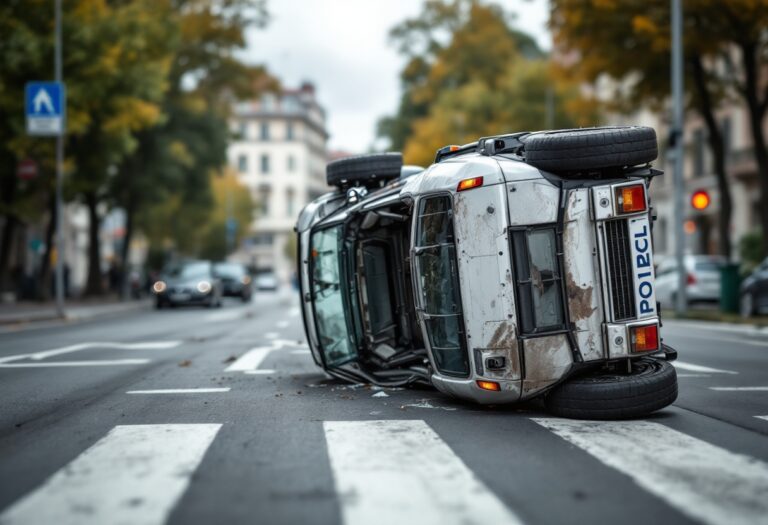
x,y
280,155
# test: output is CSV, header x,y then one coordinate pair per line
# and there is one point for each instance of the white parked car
x,y
702,279
516,266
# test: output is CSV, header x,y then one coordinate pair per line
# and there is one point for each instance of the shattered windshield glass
x,y
331,320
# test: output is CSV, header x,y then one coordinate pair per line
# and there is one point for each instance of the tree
x,y
233,208
630,42
451,43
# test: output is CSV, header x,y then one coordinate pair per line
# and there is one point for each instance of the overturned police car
x,y
516,266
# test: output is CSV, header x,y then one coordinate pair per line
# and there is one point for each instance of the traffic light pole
x,y
681,300
59,177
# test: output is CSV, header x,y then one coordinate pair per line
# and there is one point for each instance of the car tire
x,y
747,305
366,170
159,305
590,149
651,386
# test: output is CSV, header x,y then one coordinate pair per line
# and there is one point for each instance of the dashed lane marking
x,y
698,368
402,472
261,371
250,360
705,482
180,391
134,474
53,364
739,388
762,417
300,352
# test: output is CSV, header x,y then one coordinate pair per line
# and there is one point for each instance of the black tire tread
x,y
591,148
628,397
364,169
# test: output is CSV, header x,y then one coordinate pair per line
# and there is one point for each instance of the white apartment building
x,y
280,155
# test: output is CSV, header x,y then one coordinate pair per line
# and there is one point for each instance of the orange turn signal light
x,y
468,184
493,386
454,147
644,338
631,199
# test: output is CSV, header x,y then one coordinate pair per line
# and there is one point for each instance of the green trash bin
x,y
729,288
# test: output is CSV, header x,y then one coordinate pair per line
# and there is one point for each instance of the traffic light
x,y
700,200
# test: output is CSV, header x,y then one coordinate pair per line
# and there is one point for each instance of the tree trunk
x,y
756,109
45,269
6,245
94,285
125,285
716,144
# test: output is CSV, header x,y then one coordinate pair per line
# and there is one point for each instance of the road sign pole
x,y
677,133
59,177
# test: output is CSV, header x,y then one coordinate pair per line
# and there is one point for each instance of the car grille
x,y
620,269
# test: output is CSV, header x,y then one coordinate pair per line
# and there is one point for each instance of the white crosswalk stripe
x,y
391,472
135,474
704,481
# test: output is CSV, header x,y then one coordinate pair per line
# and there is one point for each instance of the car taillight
x,y
468,184
630,199
691,279
493,386
644,338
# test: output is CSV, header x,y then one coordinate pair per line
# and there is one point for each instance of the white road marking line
x,y
282,324
300,352
740,388
762,417
698,368
703,481
250,360
180,391
271,335
389,472
112,362
261,371
693,375
38,356
134,474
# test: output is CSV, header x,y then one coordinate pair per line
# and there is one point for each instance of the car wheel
x,y
159,305
574,150
368,170
747,305
651,386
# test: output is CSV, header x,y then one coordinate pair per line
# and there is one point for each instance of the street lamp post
x,y
678,144
59,175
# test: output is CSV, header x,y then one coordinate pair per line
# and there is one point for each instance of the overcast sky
x,y
342,47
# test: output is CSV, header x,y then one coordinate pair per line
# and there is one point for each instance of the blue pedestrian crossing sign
x,y
45,107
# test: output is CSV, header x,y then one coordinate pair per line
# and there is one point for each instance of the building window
x,y
262,239
243,131
291,163
265,131
242,163
727,134
289,203
265,163
698,152
289,131
264,202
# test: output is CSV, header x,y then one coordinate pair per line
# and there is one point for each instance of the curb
x,y
73,316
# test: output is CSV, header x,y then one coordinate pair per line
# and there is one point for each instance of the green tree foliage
x,y
469,73
726,45
232,200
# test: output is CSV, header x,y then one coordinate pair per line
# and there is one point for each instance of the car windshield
x,y
190,271
438,283
232,271
331,316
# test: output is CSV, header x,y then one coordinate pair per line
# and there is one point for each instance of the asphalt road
x,y
191,416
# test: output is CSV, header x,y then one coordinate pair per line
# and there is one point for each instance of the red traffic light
x,y
700,200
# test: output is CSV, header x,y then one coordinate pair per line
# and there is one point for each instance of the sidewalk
x,y
76,310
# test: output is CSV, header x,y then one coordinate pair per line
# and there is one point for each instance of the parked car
x,y
188,283
267,281
516,266
702,279
235,280
753,294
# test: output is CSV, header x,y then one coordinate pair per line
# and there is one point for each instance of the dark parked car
x,y
235,280
754,291
191,282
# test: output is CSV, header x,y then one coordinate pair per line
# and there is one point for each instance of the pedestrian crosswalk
x,y
400,471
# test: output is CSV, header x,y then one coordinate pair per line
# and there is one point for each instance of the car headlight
x,y
203,287
159,287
